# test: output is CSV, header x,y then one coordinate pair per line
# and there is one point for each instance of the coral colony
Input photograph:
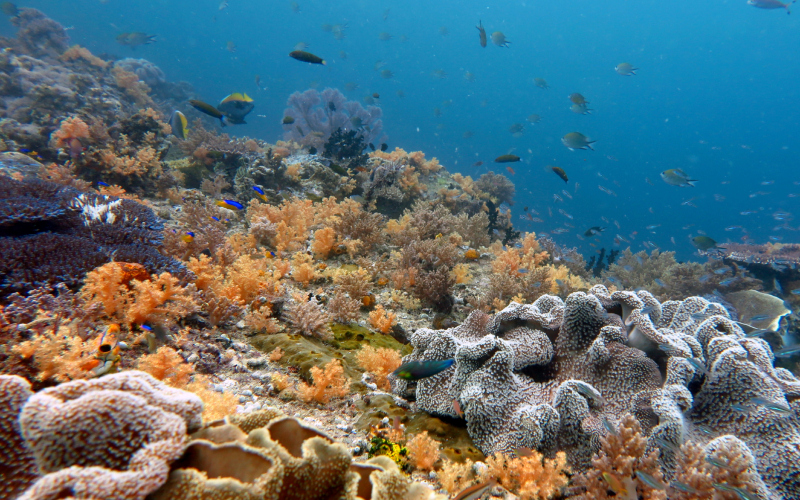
x,y
218,317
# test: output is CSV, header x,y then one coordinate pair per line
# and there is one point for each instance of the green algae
x,y
305,352
456,444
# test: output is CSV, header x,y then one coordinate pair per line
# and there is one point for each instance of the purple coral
x,y
318,115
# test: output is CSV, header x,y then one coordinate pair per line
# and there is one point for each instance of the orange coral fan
x,y
382,320
77,52
324,239
168,366
622,454
530,477
423,451
328,383
71,128
380,362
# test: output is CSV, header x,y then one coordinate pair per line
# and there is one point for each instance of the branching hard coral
x,y
330,382
382,320
530,477
694,471
380,362
307,316
167,366
621,456
423,451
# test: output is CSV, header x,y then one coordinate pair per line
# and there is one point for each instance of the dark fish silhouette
x,y
415,370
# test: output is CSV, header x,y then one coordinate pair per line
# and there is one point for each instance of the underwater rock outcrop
x,y
56,234
555,375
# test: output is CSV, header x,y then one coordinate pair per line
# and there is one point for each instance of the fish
x,y
677,177
415,370
235,107
758,332
578,99
511,170
615,484
609,426
718,463
698,365
481,34
534,118
507,159
650,480
223,5
774,406
287,120
135,38
457,409
585,390
230,46
796,291
541,83
667,445
230,204
9,9
576,140
740,492
188,237
477,491
260,193
208,109
179,124
522,451
684,487
625,69
704,243
659,282
499,39
580,109
308,57
560,172
606,190
770,4
384,146
727,281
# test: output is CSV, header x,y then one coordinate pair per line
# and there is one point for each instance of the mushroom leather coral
x,y
557,369
284,460
112,437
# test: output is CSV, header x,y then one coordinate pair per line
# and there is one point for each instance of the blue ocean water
x,y
716,94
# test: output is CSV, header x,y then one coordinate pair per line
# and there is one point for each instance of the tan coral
x,y
112,437
329,383
17,465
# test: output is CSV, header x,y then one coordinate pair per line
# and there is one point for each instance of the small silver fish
x,y
609,426
718,463
775,406
684,487
698,365
667,445
589,392
650,480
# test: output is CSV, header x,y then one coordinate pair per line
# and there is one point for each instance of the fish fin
x,y
222,121
691,182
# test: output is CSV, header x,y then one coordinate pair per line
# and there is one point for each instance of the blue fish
x,y
216,218
230,204
101,183
727,282
415,370
650,480
260,193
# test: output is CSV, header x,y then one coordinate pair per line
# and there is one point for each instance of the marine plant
x,y
329,382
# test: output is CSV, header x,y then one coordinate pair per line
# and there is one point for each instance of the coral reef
x,y
57,234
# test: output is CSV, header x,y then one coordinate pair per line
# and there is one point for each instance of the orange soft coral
x,y
379,362
614,466
328,383
382,320
60,356
530,477
71,128
324,239
77,52
168,366
423,451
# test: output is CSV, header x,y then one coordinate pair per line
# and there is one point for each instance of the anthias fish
x,y
308,57
415,370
